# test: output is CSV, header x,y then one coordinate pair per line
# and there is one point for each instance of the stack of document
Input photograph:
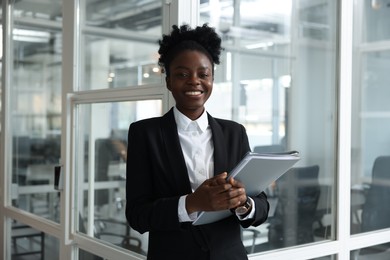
x,y
256,171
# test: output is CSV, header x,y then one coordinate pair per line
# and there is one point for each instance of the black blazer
x,y
157,177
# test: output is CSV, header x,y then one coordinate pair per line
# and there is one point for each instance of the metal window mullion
x,y
344,127
6,141
69,83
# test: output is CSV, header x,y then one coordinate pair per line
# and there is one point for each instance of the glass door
x,y
119,82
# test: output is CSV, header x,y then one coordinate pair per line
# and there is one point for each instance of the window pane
x,y
371,153
120,43
35,116
88,255
29,243
112,63
331,257
374,19
278,79
378,252
100,150
41,10
131,16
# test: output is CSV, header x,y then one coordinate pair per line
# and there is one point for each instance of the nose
x,y
193,79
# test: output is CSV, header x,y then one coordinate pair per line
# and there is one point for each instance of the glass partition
x,y
119,63
378,252
100,159
371,152
49,10
35,108
374,18
278,78
29,243
370,179
331,257
88,255
119,43
126,16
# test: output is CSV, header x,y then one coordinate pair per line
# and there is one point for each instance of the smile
x,y
194,93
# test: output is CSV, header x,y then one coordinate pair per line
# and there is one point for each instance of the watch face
x,y
244,208
241,210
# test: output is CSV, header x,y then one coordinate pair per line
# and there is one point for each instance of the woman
x,y
177,163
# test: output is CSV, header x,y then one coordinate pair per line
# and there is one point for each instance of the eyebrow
x,y
184,67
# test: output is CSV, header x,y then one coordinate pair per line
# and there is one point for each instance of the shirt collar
x,y
183,122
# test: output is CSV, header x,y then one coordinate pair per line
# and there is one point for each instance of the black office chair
x,y
298,192
107,230
376,209
113,231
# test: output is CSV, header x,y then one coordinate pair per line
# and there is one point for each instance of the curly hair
x,y
202,38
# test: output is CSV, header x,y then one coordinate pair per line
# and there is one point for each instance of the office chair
x,y
298,192
275,148
376,209
107,230
113,231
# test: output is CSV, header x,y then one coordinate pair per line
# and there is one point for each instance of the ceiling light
x,y
259,45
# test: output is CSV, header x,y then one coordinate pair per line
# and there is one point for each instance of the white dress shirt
x,y
198,150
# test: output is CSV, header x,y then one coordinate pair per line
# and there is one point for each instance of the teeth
x,y
193,93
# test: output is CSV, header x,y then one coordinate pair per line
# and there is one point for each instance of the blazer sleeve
x,y
149,191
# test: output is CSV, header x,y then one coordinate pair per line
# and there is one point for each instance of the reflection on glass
x,y
371,153
50,10
111,63
121,49
375,17
277,78
259,25
35,119
101,149
127,16
331,257
29,243
378,252
88,255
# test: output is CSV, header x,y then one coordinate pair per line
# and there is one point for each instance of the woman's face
x,y
190,81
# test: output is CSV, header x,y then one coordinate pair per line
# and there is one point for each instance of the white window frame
x,y
174,12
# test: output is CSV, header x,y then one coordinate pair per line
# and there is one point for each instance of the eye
x,y
182,74
203,75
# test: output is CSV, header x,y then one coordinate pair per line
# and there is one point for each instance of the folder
x,y
256,171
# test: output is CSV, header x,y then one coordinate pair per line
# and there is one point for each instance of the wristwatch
x,y
242,210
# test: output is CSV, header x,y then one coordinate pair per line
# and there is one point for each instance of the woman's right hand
x,y
215,194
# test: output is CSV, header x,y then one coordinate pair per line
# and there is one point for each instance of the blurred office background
x,y
305,75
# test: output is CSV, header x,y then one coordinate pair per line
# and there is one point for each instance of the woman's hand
x,y
216,194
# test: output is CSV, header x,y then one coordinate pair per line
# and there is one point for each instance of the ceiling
x,y
261,20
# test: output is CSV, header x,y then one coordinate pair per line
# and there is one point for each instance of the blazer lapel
x,y
220,150
174,153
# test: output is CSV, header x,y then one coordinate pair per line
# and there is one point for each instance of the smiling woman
x,y
177,163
